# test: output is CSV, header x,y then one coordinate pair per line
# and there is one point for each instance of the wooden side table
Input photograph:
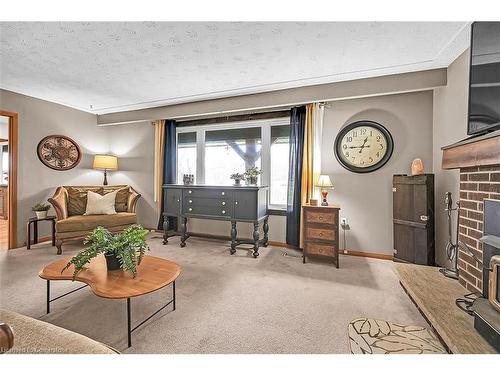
x,y
321,232
34,221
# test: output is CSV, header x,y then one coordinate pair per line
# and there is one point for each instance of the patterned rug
x,y
372,336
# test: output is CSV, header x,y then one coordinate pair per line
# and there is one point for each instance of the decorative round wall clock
x,y
59,152
363,146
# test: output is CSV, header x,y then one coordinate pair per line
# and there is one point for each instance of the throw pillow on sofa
x,y
121,203
77,199
98,204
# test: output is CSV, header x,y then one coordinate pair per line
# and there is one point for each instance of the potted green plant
x,y
40,209
252,175
237,177
123,250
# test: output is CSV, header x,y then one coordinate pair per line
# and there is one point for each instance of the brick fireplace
x,y
476,184
478,160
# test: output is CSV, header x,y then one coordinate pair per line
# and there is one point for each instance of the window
x,y
213,152
229,151
186,154
280,147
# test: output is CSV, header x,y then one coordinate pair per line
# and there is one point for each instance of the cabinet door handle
x,y
424,217
178,200
223,193
223,203
223,212
190,201
190,209
236,203
190,191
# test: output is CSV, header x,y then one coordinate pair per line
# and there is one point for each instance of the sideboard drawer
x,y
320,217
207,193
320,234
321,249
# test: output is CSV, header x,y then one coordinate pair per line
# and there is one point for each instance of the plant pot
x,y
41,214
237,182
112,262
251,180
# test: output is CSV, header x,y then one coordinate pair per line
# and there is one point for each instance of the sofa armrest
x,y
59,202
133,197
6,338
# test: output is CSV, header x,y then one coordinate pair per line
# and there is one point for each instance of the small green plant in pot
x,y
123,250
252,175
237,177
40,209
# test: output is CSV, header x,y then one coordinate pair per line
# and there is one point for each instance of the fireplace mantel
x,y
474,152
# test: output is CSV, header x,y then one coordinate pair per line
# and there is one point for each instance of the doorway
x,y
8,179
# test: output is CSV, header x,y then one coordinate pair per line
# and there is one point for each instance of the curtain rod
x,y
235,118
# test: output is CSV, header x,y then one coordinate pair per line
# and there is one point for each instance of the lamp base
x,y
105,182
324,194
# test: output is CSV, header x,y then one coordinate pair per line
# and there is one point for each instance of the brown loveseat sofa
x,y
70,203
20,334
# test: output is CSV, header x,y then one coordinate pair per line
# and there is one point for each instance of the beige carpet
x,y
225,304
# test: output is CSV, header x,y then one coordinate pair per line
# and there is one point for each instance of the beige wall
x,y
450,125
366,199
36,182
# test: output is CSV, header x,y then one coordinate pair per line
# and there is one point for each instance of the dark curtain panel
x,y
169,165
293,207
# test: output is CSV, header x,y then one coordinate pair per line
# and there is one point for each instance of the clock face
x,y
363,146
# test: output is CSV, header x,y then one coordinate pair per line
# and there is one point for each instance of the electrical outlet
x,y
343,221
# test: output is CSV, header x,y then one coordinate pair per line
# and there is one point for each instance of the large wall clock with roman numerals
x,y
363,146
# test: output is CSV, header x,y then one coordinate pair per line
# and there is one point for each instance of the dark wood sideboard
x,y
321,232
228,203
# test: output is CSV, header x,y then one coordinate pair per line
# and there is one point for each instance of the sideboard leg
x,y
266,231
166,224
255,239
234,234
184,231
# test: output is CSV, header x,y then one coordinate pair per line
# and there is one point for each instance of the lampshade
x,y
324,181
106,162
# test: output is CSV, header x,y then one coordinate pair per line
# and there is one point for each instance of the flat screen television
x,y
484,83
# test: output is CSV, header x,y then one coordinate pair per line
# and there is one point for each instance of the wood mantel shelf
x,y
474,152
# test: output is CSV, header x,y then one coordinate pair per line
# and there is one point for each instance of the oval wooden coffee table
x,y
152,274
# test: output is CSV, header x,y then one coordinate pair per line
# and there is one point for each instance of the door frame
x,y
12,189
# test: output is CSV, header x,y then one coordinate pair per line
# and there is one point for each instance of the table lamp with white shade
x,y
105,163
324,183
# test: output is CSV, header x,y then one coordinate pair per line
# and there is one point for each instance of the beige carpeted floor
x,y
225,304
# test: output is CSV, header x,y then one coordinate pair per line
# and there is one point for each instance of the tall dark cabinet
x,y
413,218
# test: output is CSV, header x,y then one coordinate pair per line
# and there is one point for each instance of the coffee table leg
x,y
48,296
129,324
173,286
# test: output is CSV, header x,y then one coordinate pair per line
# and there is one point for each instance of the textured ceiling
x,y
107,67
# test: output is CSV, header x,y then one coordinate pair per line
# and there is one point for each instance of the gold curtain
x,y
311,162
159,157
307,178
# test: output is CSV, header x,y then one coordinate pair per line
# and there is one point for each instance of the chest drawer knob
x,y
223,203
223,193
190,209
190,192
236,203
223,211
190,201
320,217
178,200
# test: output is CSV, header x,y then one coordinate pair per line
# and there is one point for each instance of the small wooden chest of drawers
x,y
321,232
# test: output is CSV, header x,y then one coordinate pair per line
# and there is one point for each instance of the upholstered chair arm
x,y
133,197
59,202
6,338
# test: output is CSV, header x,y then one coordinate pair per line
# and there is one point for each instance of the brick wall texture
x,y
476,184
